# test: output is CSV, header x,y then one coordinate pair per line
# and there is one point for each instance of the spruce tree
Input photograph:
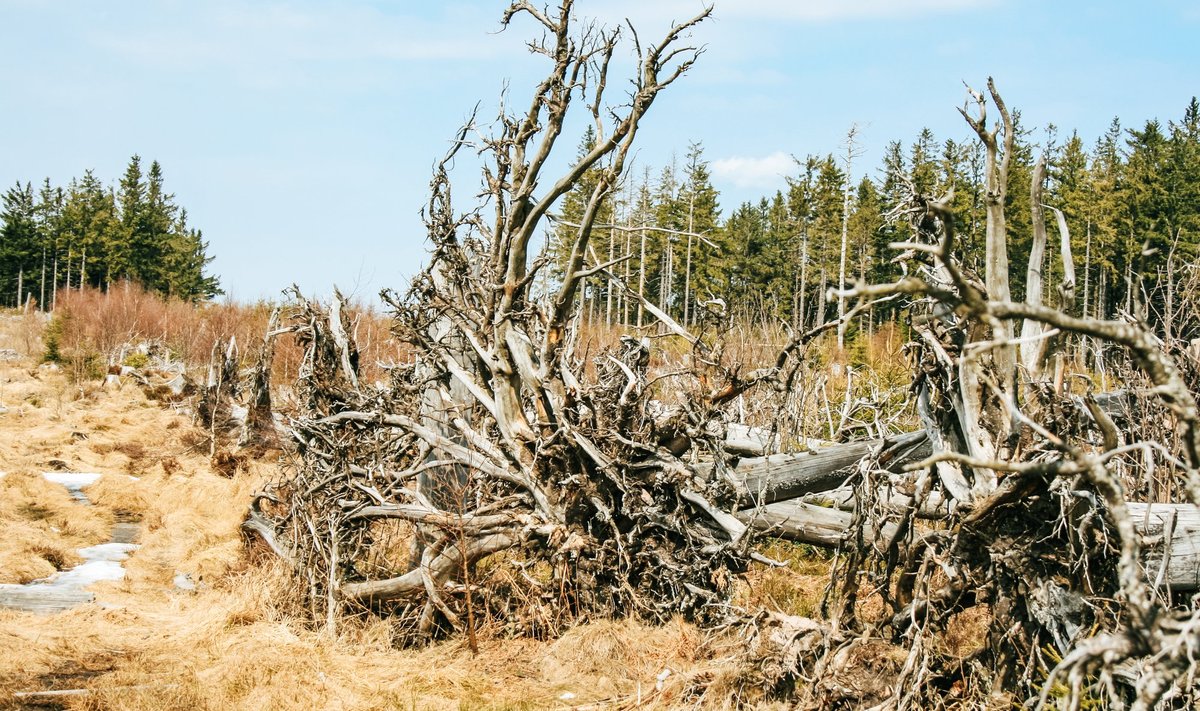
x,y
131,203
156,240
49,210
703,245
19,244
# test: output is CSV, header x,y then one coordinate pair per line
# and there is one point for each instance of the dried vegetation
x,y
518,511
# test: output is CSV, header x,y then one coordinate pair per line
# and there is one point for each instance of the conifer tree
x,y
93,235
19,243
703,244
49,210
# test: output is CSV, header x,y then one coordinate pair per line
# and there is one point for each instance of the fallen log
x,y
1169,531
747,441
780,477
1171,534
799,521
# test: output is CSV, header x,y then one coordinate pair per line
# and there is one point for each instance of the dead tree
x,y
259,427
589,500
215,406
1040,535
984,424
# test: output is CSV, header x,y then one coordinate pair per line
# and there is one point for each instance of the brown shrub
x,y
93,329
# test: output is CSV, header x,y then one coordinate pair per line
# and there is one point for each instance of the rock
x,y
8,354
112,381
184,582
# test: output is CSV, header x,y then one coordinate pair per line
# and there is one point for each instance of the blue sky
x,y
300,135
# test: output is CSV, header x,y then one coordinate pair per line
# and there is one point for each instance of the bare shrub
x,y
92,329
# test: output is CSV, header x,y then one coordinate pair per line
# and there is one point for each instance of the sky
x,y
300,135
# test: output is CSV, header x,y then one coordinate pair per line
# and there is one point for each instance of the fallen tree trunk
x,y
1170,530
1172,533
780,477
799,521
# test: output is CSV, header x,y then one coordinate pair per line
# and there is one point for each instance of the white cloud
x,y
747,172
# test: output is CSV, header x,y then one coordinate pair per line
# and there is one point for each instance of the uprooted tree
x,y
1025,510
498,436
504,472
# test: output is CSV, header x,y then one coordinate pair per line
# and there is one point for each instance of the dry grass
x,y
795,589
236,642
43,527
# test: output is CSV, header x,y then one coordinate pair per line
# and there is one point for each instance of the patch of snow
x,y
72,480
183,581
101,562
85,574
108,552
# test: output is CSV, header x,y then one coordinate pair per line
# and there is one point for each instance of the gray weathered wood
x,y
780,477
817,525
1182,545
799,521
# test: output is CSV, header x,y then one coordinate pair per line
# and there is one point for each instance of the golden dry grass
x,y
235,643
43,527
94,327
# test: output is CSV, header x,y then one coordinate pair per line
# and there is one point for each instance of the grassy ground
x,y
233,643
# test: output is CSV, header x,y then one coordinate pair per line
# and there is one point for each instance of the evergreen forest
x,y
1131,201
92,234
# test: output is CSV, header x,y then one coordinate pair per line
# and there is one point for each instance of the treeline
x,y
90,234
1131,200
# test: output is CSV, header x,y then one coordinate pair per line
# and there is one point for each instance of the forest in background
x,y
504,477
90,234
1132,202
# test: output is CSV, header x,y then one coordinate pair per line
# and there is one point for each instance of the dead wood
x,y
501,475
499,442
214,408
780,477
1041,531
259,427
